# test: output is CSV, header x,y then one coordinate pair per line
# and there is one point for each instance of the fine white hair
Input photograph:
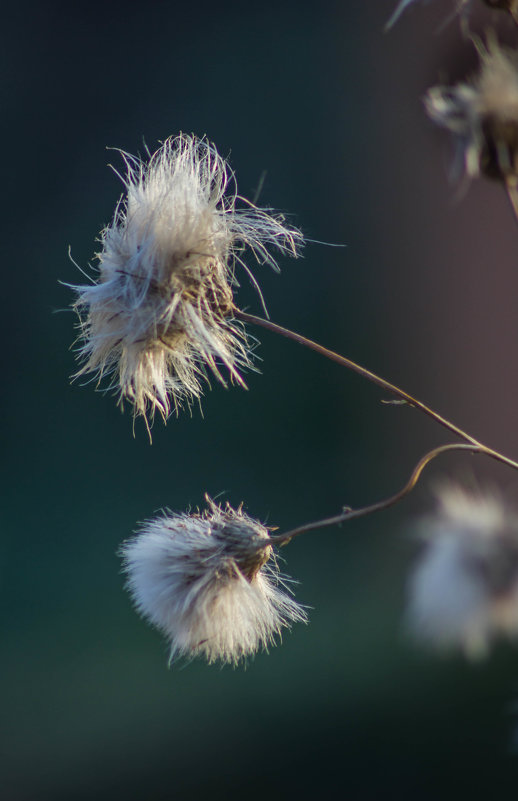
x,y
161,310
464,590
209,583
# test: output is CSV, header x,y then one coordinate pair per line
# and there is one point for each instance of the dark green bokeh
x,y
316,97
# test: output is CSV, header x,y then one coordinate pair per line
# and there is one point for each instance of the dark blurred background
x,y
319,99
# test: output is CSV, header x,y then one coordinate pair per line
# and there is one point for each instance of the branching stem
x,y
352,514
376,379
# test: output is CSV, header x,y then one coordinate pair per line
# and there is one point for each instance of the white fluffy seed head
x,y
464,591
482,114
209,582
161,309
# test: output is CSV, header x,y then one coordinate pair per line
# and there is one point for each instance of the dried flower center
x,y
206,292
201,288
251,564
244,545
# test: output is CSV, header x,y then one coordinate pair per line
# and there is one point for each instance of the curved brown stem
x,y
375,379
352,514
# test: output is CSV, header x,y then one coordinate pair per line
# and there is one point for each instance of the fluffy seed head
x,y
482,115
464,591
161,309
209,582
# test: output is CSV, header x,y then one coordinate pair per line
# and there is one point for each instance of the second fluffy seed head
x,y
210,582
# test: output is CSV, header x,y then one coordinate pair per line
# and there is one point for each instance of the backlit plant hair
x,y
210,582
161,310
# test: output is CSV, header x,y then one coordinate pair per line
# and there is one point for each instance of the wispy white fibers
x,y
464,591
161,310
209,583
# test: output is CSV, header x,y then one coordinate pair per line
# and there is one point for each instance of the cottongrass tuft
x,y
464,591
161,311
482,115
208,582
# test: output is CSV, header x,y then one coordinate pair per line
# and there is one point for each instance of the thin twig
x,y
376,379
352,514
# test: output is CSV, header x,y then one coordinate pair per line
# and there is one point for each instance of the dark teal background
x,y
318,98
